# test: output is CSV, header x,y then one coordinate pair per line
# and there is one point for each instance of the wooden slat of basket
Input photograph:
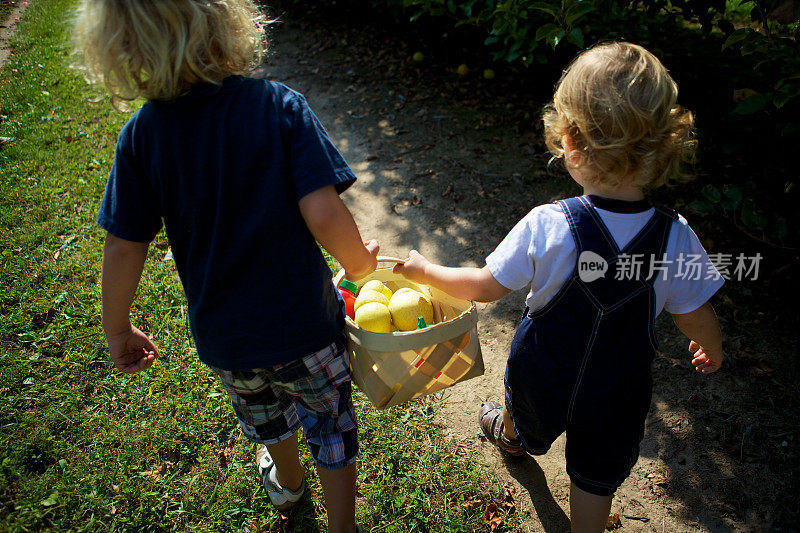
x,y
446,361
413,340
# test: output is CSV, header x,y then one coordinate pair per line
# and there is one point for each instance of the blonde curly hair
x,y
619,105
158,49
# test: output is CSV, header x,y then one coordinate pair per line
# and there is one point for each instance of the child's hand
x,y
372,248
414,267
132,351
705,362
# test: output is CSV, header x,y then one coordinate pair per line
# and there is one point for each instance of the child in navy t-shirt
x,y
599,269
246,182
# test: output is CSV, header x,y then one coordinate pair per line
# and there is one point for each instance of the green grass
x,y
5,10
85,448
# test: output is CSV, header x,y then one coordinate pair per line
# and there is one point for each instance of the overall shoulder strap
x,y
651,243
587,228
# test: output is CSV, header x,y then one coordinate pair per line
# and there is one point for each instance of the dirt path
x,y
441,169
9,26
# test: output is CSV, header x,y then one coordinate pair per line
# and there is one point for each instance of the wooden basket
x,y
392,368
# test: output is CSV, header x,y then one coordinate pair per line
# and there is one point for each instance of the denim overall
x,y
581,364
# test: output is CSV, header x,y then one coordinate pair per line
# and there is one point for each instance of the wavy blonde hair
x,y
619,105
158,49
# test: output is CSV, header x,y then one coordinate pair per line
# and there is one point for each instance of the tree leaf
x,y
752,218
711,194
543,31
545,7
576,37
752,104
781,229
577,11
735,37
555,37
701,207
732,196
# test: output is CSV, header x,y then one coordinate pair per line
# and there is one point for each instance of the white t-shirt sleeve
x,y
693,277
511,263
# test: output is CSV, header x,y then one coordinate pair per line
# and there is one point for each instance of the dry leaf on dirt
x,y
507,494
491,517
613,522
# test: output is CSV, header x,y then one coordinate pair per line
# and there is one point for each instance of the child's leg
x,y
508,425
325,407
339,487
588,512
286,456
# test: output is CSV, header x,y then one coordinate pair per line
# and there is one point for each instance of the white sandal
x,y
282,498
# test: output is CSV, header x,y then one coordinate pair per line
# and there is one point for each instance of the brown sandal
x,y
490,418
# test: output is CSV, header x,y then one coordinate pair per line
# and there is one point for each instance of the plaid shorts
x,y
312,392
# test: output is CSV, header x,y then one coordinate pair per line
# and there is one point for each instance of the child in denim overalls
x,y
600,268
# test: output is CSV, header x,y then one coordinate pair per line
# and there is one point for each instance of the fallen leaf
x,y
223,458
510,507
41,319
470,505
491,517
508,493
156,473
613,521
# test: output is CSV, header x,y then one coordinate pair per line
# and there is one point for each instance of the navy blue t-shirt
x,y
224,168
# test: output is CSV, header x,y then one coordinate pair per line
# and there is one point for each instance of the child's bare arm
x,y
332,225
702,328
130,349
468,283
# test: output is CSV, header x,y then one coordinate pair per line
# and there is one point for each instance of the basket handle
x,y
390,259
381,259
